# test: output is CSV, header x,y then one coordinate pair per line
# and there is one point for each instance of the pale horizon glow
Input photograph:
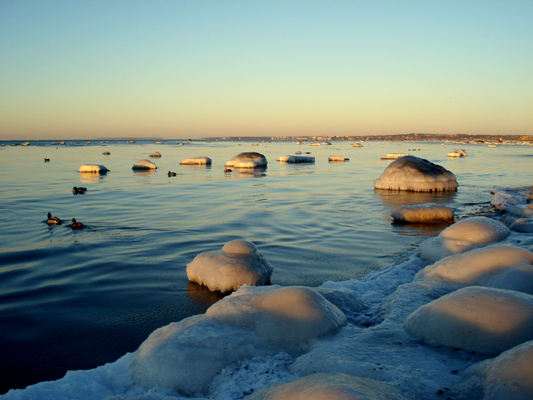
x,y
195,69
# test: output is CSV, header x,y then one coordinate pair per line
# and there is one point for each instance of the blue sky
x,y
176,69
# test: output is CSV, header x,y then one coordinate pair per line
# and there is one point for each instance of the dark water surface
x,y
78,299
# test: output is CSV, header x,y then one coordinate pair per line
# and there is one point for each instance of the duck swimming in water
x,y
171,173
79,190
76,225
53,220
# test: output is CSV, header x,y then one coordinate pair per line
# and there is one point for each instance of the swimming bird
x,y
171,173
76,225
79,190
53,220
46,160
227,170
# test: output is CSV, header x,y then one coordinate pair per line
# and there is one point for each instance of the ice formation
x,y
458,153
394,156
484,320
416,174
296,159
338,158
462,236
237,263
144,165
423,213
247,160
499,266
196,161
93,168
155,154
330,387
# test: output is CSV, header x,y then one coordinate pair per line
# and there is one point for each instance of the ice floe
x,y
196,161
296,159
423,213
416,174
247,160
144,165
237,263
93,168
338,158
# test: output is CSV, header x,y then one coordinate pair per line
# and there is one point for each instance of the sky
x,y
193,69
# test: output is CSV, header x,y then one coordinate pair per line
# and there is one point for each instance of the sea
x,y
77,299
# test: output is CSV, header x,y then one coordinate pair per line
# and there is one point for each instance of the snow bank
x,y
416,174
93,168
155,154
144,165
196,161
247,160
237,263
462,236
423,213
330,387
296,159
338,158
474,318
500,266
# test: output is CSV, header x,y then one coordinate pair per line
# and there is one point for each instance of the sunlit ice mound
x,y
237,263
416,174
254,321
422,214
248,160
196,161
144,165
330,387
93,169
499,266
462,236
479,319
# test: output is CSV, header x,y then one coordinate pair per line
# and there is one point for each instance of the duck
x,y
46,160
171,173
76,225
227,170
53,220
79,190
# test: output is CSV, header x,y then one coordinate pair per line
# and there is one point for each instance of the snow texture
x,y
415,174
423,213
247,160
196,161
93,168
144,165
237,263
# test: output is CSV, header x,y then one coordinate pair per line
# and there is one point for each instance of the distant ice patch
x,y
93,168
144,165
155,154
248,160
423,213
338,158
196,161
296,159
416,174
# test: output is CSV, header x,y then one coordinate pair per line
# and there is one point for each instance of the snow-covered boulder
x,y
416,174
155,154
196,161
329,387
144,165
500,266
247,160
237,263
93,168
462,236
458,153
423,214
296,159
338,158
484,320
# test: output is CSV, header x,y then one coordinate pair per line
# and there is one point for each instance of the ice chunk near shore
x,y
93,168
462,236
508,197
155,154
458,153
416,174
237,263
144,165
196,161
338,158
484,320
499,266
423,213
519,218
247,160
185,356
296,159
329,387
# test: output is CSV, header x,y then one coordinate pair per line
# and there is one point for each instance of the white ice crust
x,y
289,159
196,161
93,168
416,174
338,158
423,213
458,153
480,319
237,263
462,236
144,165
247,160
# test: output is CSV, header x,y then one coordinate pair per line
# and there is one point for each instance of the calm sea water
x,y
78,299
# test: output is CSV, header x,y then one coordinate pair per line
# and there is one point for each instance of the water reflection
x,y
422,230
248,173
91,177
398,198
143,172
202,296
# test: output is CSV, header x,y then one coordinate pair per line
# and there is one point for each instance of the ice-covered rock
x,y
93,168
338,158
196,161
508,197
237,263
416,174
423,213
248,160
330,387
462,236
144,165
474,318
499,266
458,153
296,159
155,154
